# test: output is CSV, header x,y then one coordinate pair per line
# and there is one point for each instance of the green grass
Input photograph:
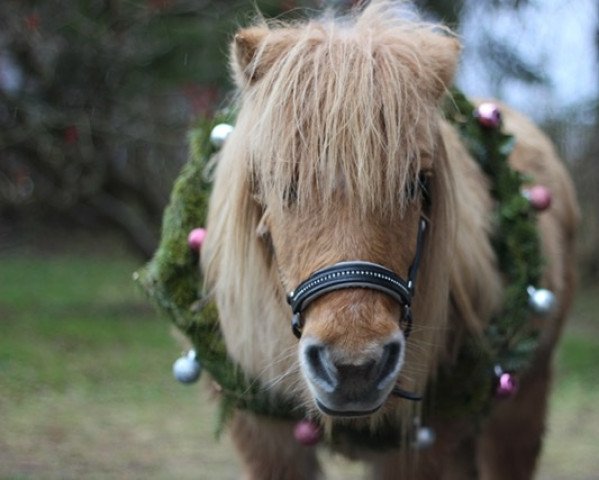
x,y
573,431
74,322
86,389
85,383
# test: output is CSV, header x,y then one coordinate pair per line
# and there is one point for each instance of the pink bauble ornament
x,y
307,433
507,385
196,238
488,115
539,197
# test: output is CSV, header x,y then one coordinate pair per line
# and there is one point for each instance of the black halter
x,y
359,274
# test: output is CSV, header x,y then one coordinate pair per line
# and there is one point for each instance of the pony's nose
x,y
352,380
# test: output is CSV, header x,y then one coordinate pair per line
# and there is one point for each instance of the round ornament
x,y
541,301
425,438
507,385
187,369
196,238
219,134
488,115
307,433
539,197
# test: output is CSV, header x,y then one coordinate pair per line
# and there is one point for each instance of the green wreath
x,y
172,279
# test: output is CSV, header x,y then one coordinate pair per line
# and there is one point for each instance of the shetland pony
x,y
338,127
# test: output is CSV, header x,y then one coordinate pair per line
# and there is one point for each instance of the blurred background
x,y
96,101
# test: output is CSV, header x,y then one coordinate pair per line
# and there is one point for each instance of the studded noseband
x,y
359,274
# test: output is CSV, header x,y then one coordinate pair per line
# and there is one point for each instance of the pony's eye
x,y
419,187
425,185
290,194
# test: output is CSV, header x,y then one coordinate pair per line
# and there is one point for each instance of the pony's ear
x,y
441,53
254,50
244,48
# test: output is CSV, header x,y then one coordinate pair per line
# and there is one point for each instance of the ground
x,y
86,389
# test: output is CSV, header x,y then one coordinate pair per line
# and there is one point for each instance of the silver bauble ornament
x,y
187,369
541,301
219,134
425,438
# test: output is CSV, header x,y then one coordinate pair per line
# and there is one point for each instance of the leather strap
x,y
359,274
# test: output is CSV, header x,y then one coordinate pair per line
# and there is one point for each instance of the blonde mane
x,y
346,102
353,101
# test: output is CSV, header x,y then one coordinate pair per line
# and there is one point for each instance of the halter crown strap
x,y
359,274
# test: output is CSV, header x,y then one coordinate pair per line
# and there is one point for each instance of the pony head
x,y
337,156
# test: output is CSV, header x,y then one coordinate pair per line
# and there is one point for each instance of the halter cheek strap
x,y
359,274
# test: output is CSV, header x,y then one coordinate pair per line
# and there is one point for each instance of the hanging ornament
x,y
541,301
187,369
307,433
424,437
219,134
195,238
539,197
506,383
488,115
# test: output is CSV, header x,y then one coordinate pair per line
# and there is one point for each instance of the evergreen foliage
x,y
173,280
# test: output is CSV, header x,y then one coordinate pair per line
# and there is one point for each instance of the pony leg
x,y
451,457
269,451
511,441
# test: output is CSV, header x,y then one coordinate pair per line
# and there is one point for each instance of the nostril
x,y
320,367
389,363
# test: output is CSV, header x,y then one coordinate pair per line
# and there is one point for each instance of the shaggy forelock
x,y
341,106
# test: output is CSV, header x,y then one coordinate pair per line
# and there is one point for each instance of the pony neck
x,y
475,283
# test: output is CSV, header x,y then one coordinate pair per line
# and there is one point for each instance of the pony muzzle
x,y
349,385
346,385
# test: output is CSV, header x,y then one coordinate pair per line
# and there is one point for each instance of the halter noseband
x,y
359,274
